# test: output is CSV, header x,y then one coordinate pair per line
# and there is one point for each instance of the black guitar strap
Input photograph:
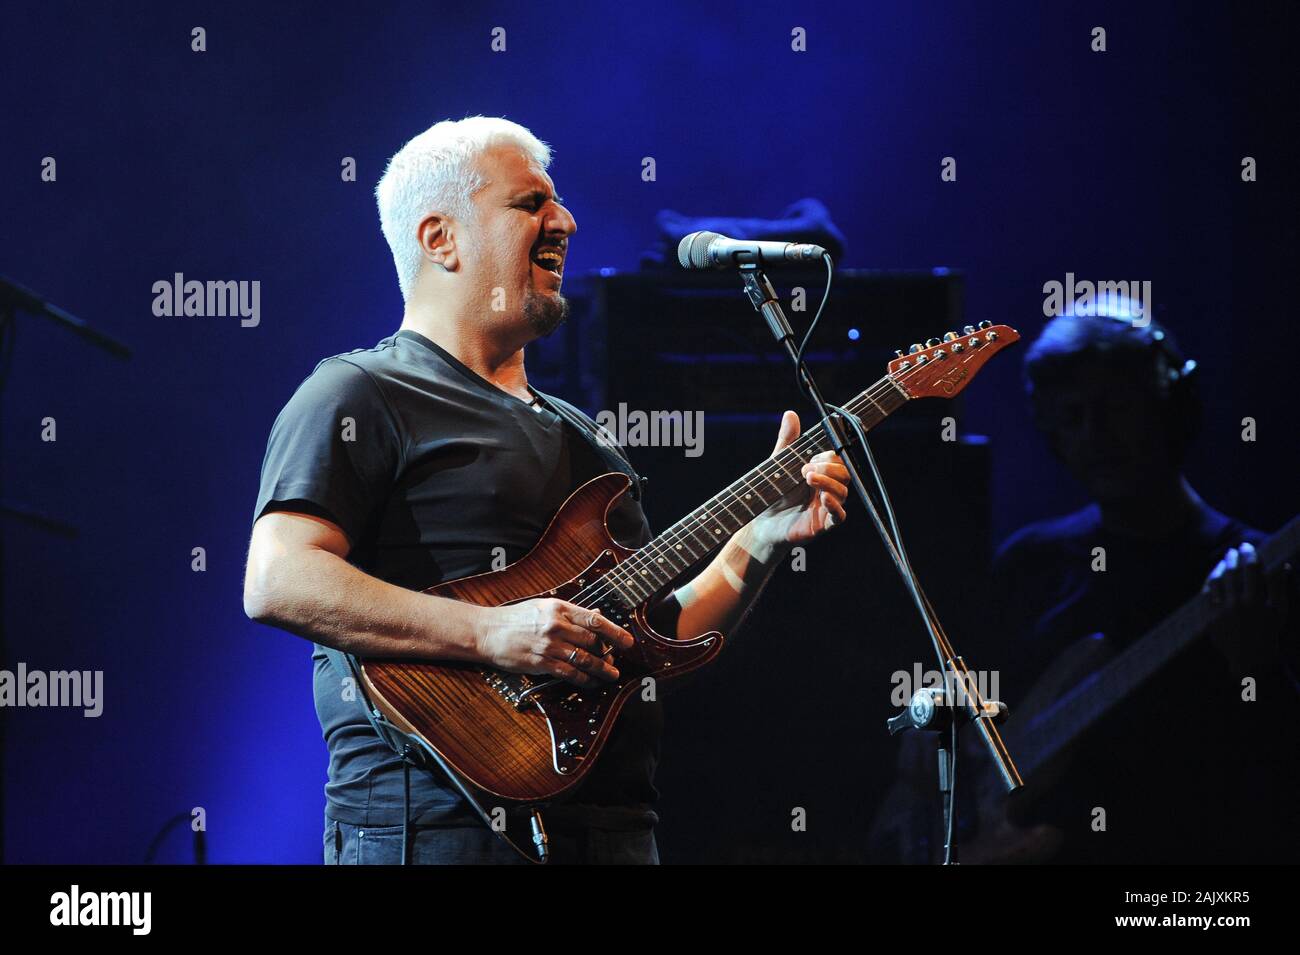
x,y
349,669
415,753
605,446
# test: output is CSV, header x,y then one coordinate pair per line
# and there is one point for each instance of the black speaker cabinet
x,y
791,717
679,339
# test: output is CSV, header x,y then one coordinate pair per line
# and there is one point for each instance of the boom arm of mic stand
x,y
763,297
14,296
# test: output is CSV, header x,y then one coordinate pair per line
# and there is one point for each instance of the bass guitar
x,y
1086,682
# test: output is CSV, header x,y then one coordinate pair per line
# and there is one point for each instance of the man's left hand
x,y
812,509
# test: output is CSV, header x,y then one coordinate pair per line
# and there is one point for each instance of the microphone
x,y
709,250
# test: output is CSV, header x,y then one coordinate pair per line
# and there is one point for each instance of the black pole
x,y
763,297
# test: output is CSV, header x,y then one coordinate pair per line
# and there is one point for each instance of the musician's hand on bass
x,y
1255,605
551,637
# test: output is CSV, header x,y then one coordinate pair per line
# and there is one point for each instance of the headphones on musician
x,y
1106,330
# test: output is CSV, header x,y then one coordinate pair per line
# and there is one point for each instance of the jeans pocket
x,y
380,845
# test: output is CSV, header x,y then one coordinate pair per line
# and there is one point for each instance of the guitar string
x,y
604,587
814,435
681,531
879,388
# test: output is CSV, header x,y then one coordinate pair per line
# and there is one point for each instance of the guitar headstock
x,y
942,367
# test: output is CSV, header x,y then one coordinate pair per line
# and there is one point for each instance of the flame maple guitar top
x,y
482,721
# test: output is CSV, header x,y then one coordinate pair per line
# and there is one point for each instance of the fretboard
x,y
1052,730
715,521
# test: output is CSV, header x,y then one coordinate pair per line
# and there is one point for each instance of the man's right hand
x,y
552,637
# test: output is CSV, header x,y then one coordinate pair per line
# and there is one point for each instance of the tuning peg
x,y
985,324
931,342
968,330
916,347
898,352
949,336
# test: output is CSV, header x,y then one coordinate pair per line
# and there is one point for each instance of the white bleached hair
x,y
437,171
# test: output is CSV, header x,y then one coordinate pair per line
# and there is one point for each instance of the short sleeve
x,y
334,448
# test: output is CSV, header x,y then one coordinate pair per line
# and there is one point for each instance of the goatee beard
x,y
545,313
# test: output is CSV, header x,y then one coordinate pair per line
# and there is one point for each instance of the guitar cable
x,y
539,837
892,538
903,562
416,752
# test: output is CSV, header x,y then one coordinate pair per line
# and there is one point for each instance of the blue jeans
x,y
346,844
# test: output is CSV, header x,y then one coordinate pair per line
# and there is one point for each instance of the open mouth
x,y
549,258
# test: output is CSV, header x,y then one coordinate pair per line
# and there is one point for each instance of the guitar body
x,y
485,723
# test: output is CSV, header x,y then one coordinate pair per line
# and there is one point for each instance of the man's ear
x,y
438,242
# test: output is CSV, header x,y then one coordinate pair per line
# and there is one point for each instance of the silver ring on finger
x,y
574,655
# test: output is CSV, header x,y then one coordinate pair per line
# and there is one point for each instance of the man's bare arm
x,y
721,596
298,579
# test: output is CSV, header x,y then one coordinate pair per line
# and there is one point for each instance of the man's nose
x,y
561,221
1097,423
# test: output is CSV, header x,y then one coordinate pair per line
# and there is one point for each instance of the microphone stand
x,y
980,713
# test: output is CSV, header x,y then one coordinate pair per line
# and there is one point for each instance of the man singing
x,y
397,467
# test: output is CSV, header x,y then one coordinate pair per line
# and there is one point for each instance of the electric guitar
x,y
530,738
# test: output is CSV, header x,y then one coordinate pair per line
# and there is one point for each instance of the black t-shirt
x,y
432,472
1183,767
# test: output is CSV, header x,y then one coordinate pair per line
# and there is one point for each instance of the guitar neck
x,y
1094,697
719,518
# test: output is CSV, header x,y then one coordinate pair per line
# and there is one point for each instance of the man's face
x,y
1107,424
515,248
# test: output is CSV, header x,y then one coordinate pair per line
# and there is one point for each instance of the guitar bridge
x,y
514,693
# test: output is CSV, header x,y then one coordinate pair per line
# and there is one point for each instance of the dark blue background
x,y
225,165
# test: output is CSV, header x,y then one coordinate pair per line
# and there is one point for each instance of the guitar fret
x,y
710,531
770,479
719,524
700,532
668,558
744,501
628,584
683,543
730,514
